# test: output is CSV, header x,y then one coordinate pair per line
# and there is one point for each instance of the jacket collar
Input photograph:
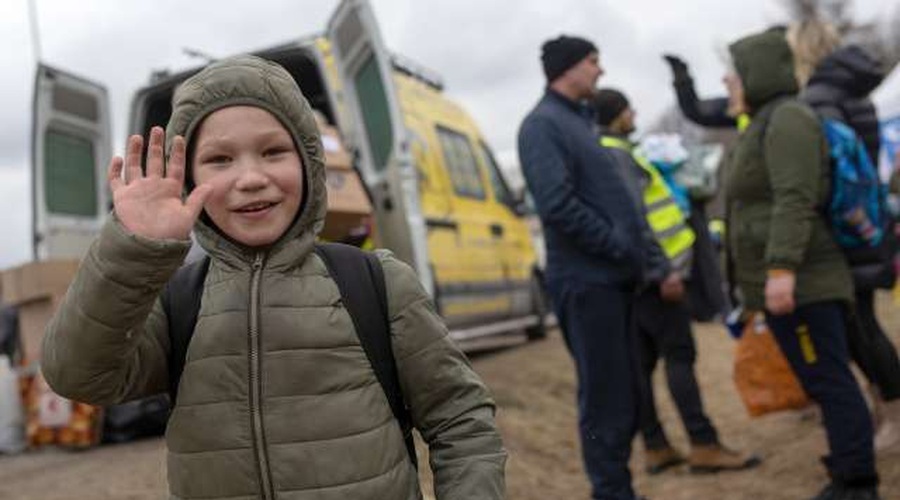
x,y
577,107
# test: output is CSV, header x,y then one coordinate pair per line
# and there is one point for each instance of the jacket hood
x,y
252,81
850,69
765,65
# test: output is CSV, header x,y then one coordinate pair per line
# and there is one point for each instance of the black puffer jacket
x,y
839,89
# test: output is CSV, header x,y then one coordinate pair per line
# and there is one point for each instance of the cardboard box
x,y
336,155
349,208
33,319
37,280
346,193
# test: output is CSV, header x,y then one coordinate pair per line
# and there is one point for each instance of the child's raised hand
x,y
150,205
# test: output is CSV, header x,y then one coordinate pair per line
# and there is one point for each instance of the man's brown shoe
x,y
656,461
887,433
715,458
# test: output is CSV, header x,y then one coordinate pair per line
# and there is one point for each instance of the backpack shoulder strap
x,y
181,303
360,280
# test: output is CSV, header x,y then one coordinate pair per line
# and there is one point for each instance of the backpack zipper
x,y
255,367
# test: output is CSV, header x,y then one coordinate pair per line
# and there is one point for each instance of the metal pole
x,y
35,29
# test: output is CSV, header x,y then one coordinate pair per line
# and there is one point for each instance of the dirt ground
x,y
534,387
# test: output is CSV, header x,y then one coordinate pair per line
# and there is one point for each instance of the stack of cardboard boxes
x,y
36,289
349,217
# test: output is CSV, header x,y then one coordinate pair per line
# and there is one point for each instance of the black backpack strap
x,y
360,279
181,303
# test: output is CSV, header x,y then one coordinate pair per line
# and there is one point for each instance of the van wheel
x,y
538,308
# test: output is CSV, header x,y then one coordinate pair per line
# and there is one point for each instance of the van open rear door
x,y
70,153
377,133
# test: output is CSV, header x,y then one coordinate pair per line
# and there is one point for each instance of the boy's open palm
x,y
150,204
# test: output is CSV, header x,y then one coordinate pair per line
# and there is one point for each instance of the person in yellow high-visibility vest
x,y
663,318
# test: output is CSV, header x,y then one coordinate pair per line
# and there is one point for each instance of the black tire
x,y
539,307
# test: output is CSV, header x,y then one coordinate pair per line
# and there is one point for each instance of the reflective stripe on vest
x,y
663,215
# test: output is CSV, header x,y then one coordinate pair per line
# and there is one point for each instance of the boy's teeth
x,y
254,207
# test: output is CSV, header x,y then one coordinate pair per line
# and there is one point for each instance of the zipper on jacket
x,y
255,367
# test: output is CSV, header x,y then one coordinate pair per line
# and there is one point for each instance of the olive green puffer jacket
x,y
777,183
277,399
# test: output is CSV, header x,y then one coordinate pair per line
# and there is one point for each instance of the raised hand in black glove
x,y
679,67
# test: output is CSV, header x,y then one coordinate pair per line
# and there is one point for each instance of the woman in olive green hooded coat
x,y
786,260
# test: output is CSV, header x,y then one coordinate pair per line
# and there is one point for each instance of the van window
x,y
461,164
498,183
372,97
70,184
74,102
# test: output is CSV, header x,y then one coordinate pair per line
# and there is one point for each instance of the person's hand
x,y
780,286
671,289
678,66
150,205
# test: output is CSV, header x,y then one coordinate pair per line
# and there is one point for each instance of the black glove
x,y
679,67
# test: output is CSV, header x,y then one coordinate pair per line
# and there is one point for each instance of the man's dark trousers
x,y
596,324
814,341
664,331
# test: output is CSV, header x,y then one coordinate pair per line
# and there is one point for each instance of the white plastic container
x,y
12,422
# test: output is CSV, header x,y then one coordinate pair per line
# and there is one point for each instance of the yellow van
x,y
438,199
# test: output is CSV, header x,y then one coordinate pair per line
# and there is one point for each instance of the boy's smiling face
x,y
255,171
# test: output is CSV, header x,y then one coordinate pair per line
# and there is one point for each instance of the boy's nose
x,y
252,176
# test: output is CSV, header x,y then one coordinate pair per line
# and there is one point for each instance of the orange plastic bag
x,y
764,379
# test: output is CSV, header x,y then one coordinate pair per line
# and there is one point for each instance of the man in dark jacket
x,y
595,252
839,89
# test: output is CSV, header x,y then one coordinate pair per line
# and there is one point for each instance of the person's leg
x,y
680,354
815,344
884,365
707,453
861,352
646,313
659,455
883,373
597,324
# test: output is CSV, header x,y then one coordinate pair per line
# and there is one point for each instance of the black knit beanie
x,y
608,104
562,53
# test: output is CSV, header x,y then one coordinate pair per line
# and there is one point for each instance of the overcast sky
x,y
487,52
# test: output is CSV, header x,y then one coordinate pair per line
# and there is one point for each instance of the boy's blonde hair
x,y
811,41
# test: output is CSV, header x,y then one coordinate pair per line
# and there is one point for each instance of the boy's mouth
x,y
258,206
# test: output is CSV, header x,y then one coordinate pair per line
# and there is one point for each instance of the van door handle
x,y
434,222
496,230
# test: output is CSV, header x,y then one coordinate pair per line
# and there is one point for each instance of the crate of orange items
x,y
54,420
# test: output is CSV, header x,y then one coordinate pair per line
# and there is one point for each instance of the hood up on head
x,y
765,65
850,69
252,81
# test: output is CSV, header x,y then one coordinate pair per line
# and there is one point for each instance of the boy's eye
x,y
276,150
217,159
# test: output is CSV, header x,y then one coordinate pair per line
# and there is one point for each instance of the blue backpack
x,y
856,207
